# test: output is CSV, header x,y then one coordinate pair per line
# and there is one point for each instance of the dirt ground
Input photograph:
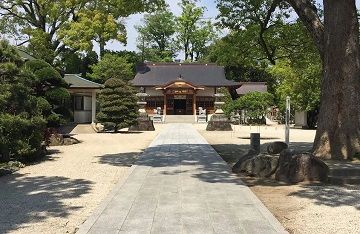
x,y
59,193
300,208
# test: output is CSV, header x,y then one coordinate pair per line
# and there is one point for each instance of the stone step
x,y
179,119
342,180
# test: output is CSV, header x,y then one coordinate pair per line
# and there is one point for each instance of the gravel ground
x,y
300,208
58,194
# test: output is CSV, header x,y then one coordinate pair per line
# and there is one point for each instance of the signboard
x,y
179,96
179,91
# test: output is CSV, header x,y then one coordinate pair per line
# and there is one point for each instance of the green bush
x,y
49,75
21,138
118,104
22,123
255,104
57,96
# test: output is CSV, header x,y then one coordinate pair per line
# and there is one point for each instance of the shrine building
x,y
181,88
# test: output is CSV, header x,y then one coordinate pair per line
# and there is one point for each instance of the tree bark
x,y
102,49
307,13
338,132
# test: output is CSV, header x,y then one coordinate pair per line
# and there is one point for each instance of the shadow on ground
x,y
211,170
24,200
121,159
330,195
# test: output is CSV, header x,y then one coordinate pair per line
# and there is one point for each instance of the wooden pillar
x,y
93,106
194,103
165,103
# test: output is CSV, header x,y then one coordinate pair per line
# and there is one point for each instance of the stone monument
x,y
144,123
219,121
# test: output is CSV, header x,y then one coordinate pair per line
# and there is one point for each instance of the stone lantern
x,y
219,121
144,123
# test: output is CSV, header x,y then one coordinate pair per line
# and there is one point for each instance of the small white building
x,y
83,94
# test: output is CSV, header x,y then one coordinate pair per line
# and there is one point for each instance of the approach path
x,y
181,185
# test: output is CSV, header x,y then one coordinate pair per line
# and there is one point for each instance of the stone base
x,y
143,124
219,122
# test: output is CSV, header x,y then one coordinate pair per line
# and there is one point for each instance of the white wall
x,y
82,116
87,103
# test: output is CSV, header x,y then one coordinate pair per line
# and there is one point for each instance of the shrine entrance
x,y
179,98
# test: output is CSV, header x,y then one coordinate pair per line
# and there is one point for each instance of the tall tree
x,y
338,131
257,18
156,34
203,35
193,33
62,23
337,39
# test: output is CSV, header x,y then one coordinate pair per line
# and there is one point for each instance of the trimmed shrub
x,y
118,104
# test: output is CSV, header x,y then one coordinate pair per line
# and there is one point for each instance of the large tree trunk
x,y
102,44
338,132
308,15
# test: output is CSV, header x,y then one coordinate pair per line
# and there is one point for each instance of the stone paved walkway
x,y
181,185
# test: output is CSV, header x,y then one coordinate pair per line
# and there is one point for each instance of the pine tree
x,y
118,104
22,126
48,84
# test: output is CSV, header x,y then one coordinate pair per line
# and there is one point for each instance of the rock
x,y
59,139
98,127
16,164
296,168
10,167
56,139
143,124
71,141
250,154
260,166
219,122
276,147
5,171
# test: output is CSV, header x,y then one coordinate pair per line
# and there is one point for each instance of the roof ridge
x,y
181,64
78,76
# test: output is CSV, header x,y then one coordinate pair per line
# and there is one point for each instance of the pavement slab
x,y
181,185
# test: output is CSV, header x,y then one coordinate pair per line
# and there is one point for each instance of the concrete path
x,y
181,185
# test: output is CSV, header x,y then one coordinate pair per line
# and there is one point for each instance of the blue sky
x,y
133,20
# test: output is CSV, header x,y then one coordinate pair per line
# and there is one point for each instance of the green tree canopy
x,y
48,83
156,36
50,26
111,66
193,33
255,104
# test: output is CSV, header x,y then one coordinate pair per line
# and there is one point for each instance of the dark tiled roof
x,y
198,74
252,87
76,81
